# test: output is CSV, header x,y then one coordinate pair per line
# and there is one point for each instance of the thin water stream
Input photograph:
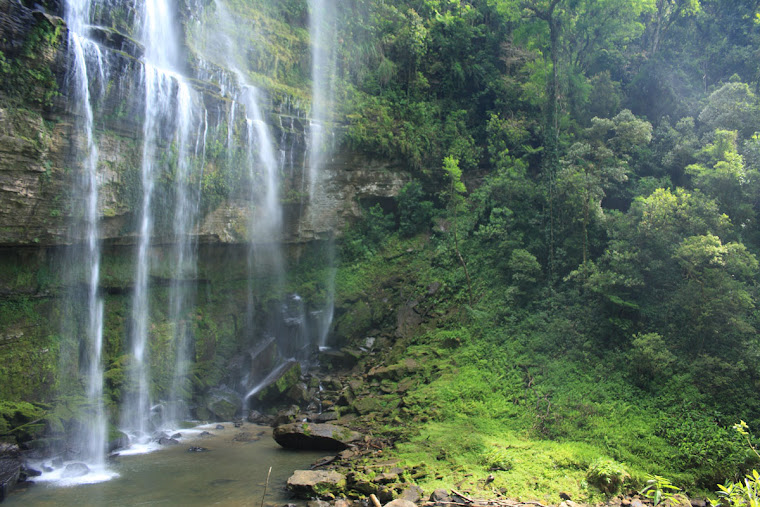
x,y
230,473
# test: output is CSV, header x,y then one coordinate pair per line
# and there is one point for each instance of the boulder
x,y
396,371
324,417
119,440
224,403
168,441
10,469
30,472
385,478
316,483
299,393
440,496
261,419
73,470
246,436
279,385
400,503
315,436
287,415
412,493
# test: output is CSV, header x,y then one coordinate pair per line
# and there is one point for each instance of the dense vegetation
x,y
580,236
586,182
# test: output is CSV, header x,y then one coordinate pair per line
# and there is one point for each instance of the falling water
x,y
167,95
184,255
93,437
323,31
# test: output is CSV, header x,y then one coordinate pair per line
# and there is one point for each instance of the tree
x,y
455,198
724,176
733,106
660,20
593,166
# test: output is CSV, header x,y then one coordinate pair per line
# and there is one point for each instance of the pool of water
x,y
233,472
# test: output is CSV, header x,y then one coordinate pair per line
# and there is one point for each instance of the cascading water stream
x,y
322,33
187,199
322,29
92,439
168,107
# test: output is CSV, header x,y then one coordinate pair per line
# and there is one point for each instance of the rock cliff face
x,y
38,145
40,159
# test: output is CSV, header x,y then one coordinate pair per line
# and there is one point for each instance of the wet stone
x,y
400,503
73,470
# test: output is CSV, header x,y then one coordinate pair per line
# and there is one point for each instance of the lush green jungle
x,y
578,242
586,192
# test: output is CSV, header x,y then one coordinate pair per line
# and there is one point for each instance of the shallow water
x,y
231,473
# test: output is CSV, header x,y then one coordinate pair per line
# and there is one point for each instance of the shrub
x,y
607,475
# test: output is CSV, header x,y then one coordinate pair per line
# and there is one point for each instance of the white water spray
x,y
322,29
92,439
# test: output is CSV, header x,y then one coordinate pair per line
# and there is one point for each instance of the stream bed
x,y
233,472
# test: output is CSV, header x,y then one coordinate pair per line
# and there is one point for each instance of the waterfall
x,y
169,107
92,438
187,199
170,111
322,30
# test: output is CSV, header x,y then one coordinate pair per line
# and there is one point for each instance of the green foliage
x,y
415,212
651,357
745,493
607,475
27,75
497,459
659,490
365,237
731,107
20,420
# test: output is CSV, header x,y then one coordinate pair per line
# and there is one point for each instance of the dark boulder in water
x,y
168,441
324,437
197,449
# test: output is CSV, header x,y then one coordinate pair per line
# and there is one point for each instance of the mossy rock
x,y
21,420
313,436
289,377
397,371
319,483
354,322
368,404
